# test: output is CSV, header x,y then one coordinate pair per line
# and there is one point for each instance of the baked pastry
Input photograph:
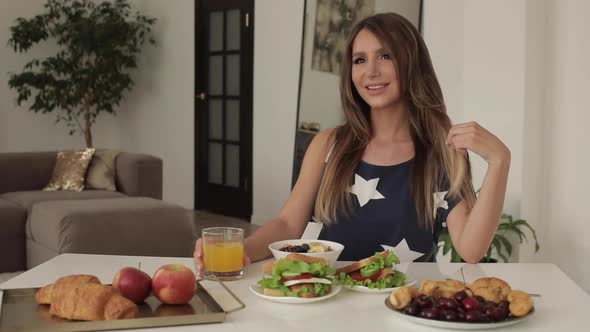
x,y
491,289
521,303
44,295
82,297
403,296
437,289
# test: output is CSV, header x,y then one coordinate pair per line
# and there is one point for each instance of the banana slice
x,y
316,248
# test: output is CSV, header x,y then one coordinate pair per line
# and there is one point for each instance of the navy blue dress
x,y
384,213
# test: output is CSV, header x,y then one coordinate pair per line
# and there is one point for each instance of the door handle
x,y
201,95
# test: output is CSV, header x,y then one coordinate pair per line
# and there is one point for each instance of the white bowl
x,y
330,256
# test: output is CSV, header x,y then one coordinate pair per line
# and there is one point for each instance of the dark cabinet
x,y
302,140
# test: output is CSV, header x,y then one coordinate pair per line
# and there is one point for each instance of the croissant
x,y
491,289
438,289
403,296
82,297
521,303
44,295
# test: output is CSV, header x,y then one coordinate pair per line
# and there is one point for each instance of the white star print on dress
x,y
403,251
365,190
439,201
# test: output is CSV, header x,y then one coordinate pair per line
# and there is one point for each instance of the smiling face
x,y
374,72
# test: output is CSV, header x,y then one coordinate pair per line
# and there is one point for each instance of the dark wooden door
x,y
223,106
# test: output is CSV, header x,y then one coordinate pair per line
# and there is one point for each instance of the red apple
x,y
174,284
133,284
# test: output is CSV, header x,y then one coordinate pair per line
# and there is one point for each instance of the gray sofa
x,y
37,225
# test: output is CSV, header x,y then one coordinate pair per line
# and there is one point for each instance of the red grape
x,y
459,296
449,315
479,299
469,303
495,314
425,302
430,313
473,316
412,309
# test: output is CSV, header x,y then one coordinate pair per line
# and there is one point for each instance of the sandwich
x,y
375,272
298,275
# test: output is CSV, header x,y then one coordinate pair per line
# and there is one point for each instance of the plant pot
x,y
488,260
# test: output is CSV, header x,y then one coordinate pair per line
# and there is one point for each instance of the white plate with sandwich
x,y
297,278
293,300
375,274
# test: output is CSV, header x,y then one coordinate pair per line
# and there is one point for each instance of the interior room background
x,y
518,67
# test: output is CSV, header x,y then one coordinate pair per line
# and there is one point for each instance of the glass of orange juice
x,y
223,252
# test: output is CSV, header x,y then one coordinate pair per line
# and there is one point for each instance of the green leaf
x,y
98,49
446,239
455,258
506,243
498,246
526,224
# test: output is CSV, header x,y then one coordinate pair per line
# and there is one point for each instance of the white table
x,y
563,306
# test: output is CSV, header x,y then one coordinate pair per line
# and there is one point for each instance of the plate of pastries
x,y
486,303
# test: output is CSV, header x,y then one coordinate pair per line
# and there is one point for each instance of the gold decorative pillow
x,y
70,170
101,172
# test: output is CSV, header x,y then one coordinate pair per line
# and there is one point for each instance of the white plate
x,y
295,300
456,325
368,290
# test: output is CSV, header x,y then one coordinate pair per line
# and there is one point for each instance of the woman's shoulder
x,y
327,135
322,143
325,138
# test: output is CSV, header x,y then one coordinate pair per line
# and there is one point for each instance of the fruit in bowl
x,y
174,284
327,250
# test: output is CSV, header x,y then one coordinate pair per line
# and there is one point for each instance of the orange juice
x,y
223,256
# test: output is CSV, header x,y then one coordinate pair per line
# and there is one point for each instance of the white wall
x,y
525,79
156,117
481,80
566,145
160,111
277,53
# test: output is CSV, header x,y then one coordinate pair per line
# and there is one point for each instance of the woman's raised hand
x,y
471,136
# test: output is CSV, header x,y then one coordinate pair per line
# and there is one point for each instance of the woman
x,y
397,171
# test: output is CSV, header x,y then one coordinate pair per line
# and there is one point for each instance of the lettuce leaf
x,y
317,269
390,259
392,280
320,289
379,263
276,283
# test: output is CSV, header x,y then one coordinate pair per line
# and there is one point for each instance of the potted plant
x,y
98,44
500,244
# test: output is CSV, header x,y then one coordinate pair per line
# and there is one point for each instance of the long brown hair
x,y
434,161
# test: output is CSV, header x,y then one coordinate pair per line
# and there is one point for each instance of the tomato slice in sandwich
x,y
356,275
299,277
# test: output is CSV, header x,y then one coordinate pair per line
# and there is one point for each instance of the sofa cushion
x,y
21,171
117,226
27,199
12,236
70,170
101,172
